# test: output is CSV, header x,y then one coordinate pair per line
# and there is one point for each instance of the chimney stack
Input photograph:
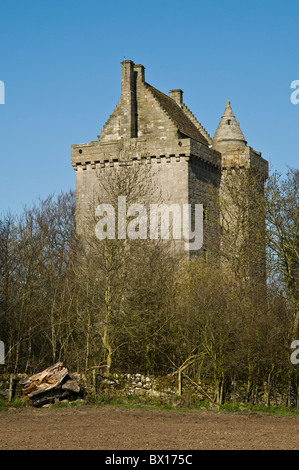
x,y
128,99
176,95
139,71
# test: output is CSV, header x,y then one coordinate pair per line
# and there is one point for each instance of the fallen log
x,y
72,384
52,384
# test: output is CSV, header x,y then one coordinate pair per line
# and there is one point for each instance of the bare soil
x,y
109,428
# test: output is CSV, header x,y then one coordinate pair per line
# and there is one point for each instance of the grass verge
x,y
158,403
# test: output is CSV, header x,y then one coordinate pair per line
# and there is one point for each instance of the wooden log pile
x,y
51,386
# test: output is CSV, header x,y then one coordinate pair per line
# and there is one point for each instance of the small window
x,y
228,122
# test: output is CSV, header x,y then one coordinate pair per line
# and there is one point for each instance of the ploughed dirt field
x,y
109,428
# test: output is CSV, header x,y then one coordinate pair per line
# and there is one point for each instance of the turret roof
x,y
229,128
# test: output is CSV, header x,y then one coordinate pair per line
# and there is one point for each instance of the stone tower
x,y
230,142
241,192
158,129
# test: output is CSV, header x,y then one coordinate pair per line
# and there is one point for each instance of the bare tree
x,y
282,211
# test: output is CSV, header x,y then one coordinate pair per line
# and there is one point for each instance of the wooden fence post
x,y
94,382
179,383
10,390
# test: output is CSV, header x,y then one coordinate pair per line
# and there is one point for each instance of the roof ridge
x,y
184,124
207,135
149,87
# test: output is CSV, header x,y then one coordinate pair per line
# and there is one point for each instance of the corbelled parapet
x,y
99,154
244,157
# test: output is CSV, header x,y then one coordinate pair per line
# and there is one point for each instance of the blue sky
x,y
60,63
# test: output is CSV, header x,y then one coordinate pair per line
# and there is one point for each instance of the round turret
x,y
228,135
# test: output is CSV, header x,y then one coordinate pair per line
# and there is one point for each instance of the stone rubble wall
x,y
137,384
116,384
151,386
